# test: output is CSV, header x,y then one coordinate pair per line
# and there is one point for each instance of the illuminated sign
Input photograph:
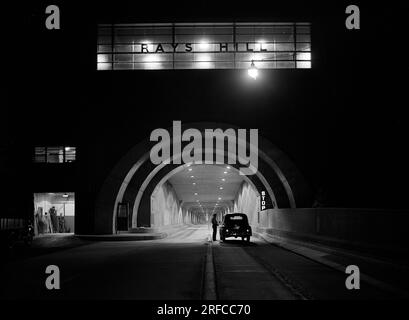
x,y
203,46
265,202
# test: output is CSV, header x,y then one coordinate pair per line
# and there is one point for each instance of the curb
x,y
123,237
137,234
209,290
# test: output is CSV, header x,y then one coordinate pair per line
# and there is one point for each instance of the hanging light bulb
x,y
253,71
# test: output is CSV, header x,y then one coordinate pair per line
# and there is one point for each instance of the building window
x,y
61,154
269,45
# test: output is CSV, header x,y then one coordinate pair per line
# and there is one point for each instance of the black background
x,y
343,122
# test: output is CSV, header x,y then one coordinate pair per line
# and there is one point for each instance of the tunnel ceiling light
x,y
194,183
221,188
192,176
253,71
223,179
219,198
195,193
190,169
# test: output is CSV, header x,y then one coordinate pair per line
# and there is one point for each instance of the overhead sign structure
x,y
203,46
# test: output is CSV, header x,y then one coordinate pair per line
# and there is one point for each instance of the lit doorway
x,y
54,213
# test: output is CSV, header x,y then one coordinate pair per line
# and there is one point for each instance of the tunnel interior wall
x,y
247,201
370,230
166,208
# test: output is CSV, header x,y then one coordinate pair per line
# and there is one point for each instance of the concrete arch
x,y
290,182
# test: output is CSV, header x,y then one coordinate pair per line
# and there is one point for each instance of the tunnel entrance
x,y
192,193
138,184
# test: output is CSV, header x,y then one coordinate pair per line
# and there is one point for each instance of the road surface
x,y
178,267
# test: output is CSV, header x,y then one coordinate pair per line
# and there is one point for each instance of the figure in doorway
x,y
40,221
61,223
47,223
54,221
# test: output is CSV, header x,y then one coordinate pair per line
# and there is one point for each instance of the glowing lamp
x,y
253,71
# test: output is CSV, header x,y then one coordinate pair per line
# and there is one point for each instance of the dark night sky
x,y
343,122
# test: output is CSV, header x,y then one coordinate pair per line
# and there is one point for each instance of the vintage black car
x,y
235,225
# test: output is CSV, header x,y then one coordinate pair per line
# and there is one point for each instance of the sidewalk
x,y
49,243
42,244
55,240
383,274
138,234
124,236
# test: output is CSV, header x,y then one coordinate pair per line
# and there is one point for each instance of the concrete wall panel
x,y
165,207
346,227
247,201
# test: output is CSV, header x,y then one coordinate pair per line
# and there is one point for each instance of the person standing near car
x,y
214,226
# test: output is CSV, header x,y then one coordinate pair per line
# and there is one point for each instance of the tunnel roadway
x,y
176,268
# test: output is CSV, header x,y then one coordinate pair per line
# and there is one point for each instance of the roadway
x,y
178,267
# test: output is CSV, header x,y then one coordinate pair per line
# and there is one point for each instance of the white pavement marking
x,y
209,276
